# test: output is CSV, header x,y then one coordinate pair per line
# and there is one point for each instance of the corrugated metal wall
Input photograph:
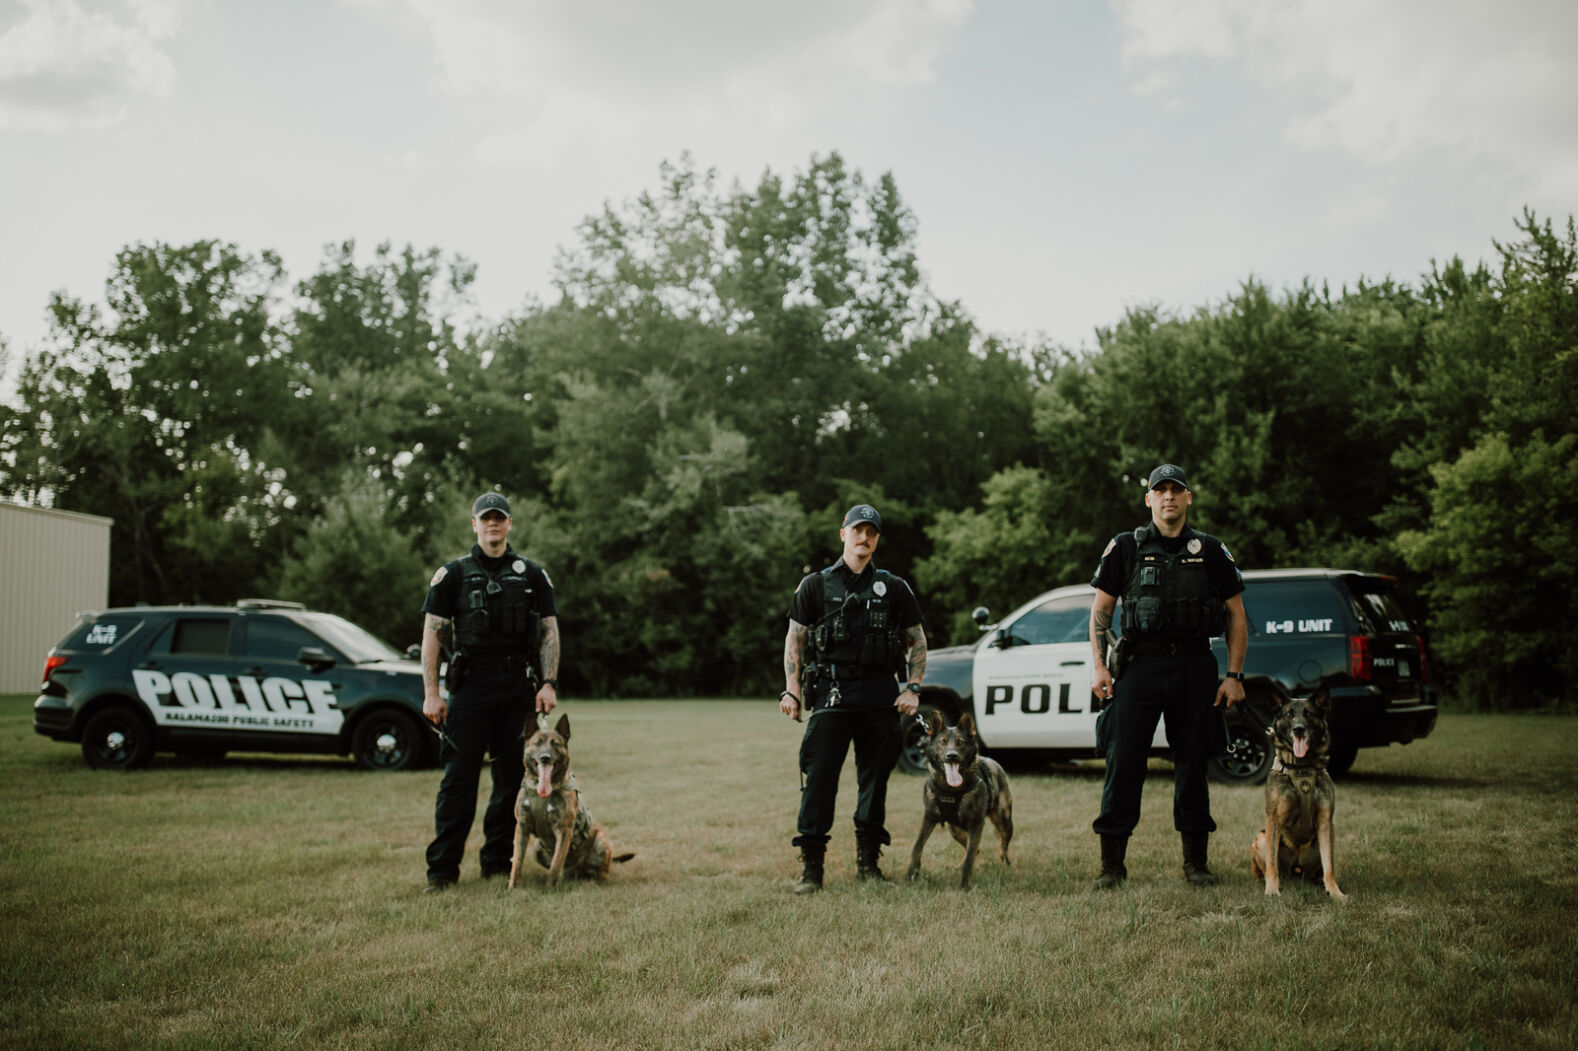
x,y
52,564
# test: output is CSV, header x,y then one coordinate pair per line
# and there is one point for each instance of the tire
x,y
1339,760
1247,759
117,738
912,744
388,740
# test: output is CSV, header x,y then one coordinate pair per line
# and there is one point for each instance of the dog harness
x,y
948,805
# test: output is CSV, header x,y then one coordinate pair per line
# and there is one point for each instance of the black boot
x,y
1194,853
1113,848
811,869
867,851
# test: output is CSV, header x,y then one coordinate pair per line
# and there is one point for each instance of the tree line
x,y
725,369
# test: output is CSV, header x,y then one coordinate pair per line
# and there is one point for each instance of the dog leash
x,y
438,728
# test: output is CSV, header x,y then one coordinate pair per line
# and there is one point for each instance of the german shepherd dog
x,y
1300,799
963,790
568,841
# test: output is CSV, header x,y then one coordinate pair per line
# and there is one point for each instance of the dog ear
x,y
967,724
934,723
1321,699
563,727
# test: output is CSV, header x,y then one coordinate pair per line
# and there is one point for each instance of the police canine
x,y
963,790
1300,799
568,841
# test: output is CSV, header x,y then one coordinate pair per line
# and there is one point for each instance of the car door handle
x,y
1073,664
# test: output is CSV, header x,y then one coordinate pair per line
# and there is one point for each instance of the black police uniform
x,y
1172,592
853,700
497,606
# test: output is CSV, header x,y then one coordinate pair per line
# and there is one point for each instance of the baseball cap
x,y
490,502
863,513
1168,472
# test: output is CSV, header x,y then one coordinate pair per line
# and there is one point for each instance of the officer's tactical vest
x,y
858,628
1169,596
495,615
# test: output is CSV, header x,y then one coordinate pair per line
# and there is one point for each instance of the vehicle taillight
x,y
1424,661
1360,667
50,664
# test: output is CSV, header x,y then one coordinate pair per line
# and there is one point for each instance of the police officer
x,y
853,629
1179,588
493,612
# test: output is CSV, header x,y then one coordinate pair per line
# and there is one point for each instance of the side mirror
x,y
314,658
981,615
413,652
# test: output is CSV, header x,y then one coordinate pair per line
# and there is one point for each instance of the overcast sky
x,y
1064,159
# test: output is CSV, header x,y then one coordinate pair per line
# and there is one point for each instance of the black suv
x,y
1027,679
260,676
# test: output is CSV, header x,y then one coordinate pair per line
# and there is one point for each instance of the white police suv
x,y
259,676
1027,679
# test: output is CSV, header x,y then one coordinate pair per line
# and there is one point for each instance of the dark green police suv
x,y
259,676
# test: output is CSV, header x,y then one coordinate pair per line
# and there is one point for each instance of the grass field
x,y
272,902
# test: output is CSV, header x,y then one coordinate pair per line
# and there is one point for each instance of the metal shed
x,y
52,564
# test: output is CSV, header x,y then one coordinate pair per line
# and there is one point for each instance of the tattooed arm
x,y
437,635
916,637
1100,639
548,661
794,660
909,701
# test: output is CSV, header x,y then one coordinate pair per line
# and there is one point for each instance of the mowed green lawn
x,y
275,902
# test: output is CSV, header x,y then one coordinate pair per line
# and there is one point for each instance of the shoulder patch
x,y
1226,552
438,577
545,575
1110,545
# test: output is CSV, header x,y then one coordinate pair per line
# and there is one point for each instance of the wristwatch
x,y
1235,675
913,687
551,682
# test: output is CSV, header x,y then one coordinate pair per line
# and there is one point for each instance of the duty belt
x,y
499,662
845,672
1164,648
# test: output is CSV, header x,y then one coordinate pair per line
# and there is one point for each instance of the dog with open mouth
x,y
963,790
550,812
1300,799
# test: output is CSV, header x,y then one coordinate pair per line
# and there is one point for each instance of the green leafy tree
x,y
153,412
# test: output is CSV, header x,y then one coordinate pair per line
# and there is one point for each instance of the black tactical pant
x,y
487,718
875,734
1180,691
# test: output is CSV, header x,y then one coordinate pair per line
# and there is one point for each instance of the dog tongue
x,y
545,779
955,779
1300,746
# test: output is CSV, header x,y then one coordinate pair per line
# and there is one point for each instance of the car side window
x,y
1057,620
277,639
1295,607
194,636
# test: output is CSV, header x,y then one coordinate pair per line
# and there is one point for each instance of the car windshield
x,y
360,645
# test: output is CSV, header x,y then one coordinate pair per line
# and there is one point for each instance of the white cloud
x,y
1397,78
62,66
544,77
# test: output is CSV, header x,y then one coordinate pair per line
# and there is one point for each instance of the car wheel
x,y
912,746
388,739
117,739
1340,759
1247,758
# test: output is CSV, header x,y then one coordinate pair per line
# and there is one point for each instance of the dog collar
x,y
1282,767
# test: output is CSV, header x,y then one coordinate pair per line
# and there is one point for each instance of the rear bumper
x,y
1363,718
52,717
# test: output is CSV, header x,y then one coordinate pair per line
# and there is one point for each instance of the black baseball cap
x,y
490,502
863,513
1168,472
